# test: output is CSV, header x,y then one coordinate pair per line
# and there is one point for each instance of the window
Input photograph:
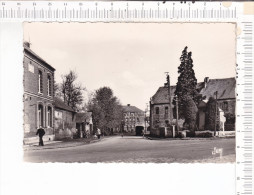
x,y
225,106
157,110
40,82
40,115
49,86
166,110
30,67
58,114
49,116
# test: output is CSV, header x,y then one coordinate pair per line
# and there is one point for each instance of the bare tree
x,y
70,91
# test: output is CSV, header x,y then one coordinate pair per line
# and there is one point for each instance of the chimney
x,y
128,104
27,44
206,80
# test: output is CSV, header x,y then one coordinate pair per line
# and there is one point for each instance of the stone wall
x,y
162,118
65,124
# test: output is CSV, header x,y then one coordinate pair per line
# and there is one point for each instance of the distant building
x,y
134,119
38,81
65,120
159,103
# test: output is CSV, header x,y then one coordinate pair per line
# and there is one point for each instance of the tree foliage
x,y
210,115
186,84
69,90
190,113
106,108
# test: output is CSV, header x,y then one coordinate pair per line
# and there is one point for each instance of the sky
x,y
132,58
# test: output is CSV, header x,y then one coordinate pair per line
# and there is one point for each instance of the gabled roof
x,y
83,117
225,88
58,103
31,52
131,109
161,96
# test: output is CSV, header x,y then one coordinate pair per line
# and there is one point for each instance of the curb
x,y
190,138
60,146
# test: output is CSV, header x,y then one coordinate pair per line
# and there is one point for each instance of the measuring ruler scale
x,y
236,12
116,11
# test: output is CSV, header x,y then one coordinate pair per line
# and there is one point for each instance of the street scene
x,y
134,149
129,93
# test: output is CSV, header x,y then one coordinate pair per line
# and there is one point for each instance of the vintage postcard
x,y
129,92
126,97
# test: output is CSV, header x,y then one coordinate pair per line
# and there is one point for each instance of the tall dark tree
x,y
106,108
187,82
190,113
69,90
210,115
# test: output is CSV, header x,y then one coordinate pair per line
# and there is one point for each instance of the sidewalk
x,y
60,144
189,138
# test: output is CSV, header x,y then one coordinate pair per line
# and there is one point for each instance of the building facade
x,y
134,119
160,113
65,120
226,101
38,81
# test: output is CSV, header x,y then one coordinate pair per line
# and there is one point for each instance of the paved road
x,y
136,149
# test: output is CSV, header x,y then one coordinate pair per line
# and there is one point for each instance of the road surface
x,y
137,149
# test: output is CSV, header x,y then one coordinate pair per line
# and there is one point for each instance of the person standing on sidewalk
x,y
98,133
41,133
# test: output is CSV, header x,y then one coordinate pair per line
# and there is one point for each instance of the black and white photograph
x,y
129,92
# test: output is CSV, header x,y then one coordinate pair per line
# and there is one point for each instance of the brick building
x,y
134,119
38,81
159,103
160,113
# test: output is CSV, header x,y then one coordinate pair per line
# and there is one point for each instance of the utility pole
x,y
215,123
150,115
177,114
146,109
170,102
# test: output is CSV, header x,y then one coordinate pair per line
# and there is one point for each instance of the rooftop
x,y
83,117
58,103
130,108
225,88
28,49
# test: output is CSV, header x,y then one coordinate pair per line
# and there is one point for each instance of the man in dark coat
x,y
41,133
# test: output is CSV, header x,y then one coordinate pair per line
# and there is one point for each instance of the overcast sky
x,y
131,58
